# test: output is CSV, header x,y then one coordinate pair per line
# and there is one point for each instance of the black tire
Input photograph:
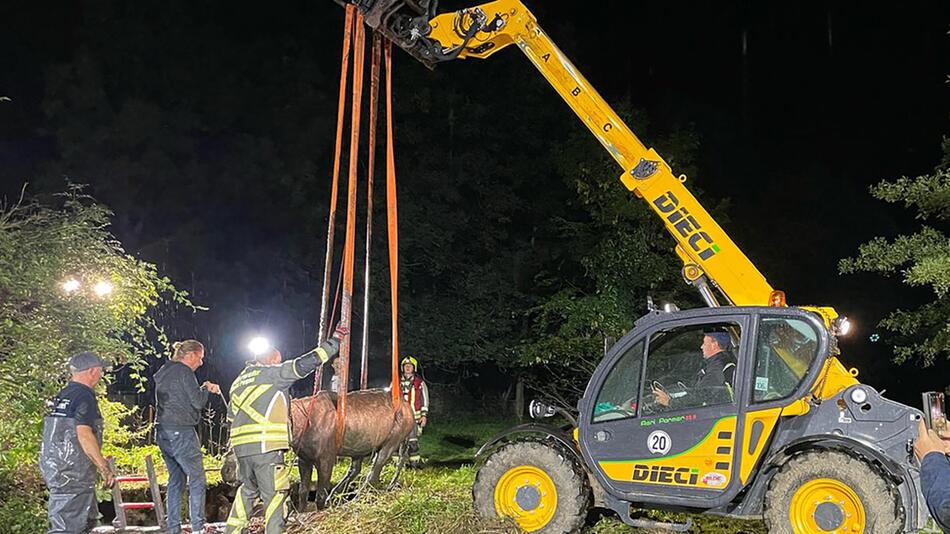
x,y
569,480
881,505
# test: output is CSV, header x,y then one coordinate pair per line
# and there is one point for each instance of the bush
x,y
22,501
42,244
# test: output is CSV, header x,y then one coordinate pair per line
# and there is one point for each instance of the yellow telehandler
x,y
779,429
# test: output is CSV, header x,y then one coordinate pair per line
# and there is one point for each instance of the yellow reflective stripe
x,y
293,367
250,411
240,504
250,394
259,434
258,438
322,354
283,478
254,414
239,517
238,398
260,391
272,507
251,427
248,397
273,431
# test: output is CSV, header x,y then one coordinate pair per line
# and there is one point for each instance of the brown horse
x,y
372,427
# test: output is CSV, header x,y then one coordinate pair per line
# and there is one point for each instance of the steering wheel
x,y
651,406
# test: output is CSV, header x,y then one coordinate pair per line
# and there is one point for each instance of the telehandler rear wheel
x,y
536,485
827,491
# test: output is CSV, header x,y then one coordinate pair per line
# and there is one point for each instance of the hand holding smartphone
x,y
935,415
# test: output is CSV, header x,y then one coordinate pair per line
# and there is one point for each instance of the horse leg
x,y
303,491
382,456
356,464
400,461
324,473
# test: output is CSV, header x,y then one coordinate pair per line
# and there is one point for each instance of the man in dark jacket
x,y
932,452
71,450
260,430
179,402
714,381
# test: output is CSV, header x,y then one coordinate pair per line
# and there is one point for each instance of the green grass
x,y
448,442
434,499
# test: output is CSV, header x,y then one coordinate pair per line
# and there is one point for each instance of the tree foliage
x,y
612,253
921,259
41,325
519,247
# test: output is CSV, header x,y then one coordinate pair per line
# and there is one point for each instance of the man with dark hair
x,y
179,401
71,450
715,379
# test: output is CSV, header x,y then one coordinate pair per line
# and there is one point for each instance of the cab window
x,y
785,351
690,367
617,398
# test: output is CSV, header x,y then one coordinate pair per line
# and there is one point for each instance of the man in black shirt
x,y
71,450
179,401
714,381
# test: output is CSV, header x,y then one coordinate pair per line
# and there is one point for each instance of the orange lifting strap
x,y
353,28
331,225
349,242
347,29
393,227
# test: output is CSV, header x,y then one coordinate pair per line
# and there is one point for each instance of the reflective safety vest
x,y
416,393
260,421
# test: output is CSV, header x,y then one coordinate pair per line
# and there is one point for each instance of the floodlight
x,y
71,286
102,289
258,345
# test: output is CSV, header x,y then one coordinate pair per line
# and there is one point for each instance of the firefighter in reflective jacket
x,y
260,431
415,392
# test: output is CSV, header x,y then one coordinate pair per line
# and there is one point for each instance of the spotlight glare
x,y
71,285
258,346
102,289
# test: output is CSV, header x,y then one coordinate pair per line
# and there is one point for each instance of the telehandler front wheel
x,y
827,491
536,485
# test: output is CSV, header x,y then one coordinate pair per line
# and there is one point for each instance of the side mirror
x,y
539,410
651,307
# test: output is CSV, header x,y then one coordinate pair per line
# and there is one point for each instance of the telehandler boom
x,y
793,436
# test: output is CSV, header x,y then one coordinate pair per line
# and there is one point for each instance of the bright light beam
x,y
71,286
102,289
259,345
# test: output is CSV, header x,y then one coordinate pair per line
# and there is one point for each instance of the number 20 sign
x,y
659,442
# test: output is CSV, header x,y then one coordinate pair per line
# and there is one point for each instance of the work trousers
x,y
72,513
264,476
415,459
182,454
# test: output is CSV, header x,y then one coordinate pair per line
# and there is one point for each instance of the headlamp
x,y
841,326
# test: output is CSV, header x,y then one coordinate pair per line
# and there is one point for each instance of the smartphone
x,y
934,413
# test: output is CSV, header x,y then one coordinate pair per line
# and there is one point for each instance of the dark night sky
x,y
829,98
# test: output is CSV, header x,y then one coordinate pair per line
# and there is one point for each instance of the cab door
x,y
684,452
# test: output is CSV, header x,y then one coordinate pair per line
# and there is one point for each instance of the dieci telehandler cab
x,y
742,408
